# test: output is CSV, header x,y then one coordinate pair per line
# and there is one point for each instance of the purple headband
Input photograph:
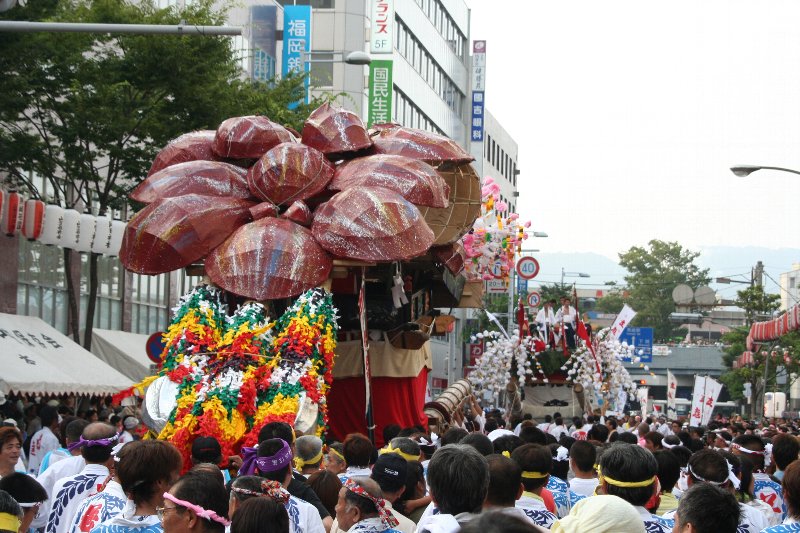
x,y
249,456
88,443
277,461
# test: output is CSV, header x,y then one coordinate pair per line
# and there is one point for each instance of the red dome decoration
x,y
417,181
333,130
194,146
267,259
371,225
249,137
172,233
207,178
289,172
419,144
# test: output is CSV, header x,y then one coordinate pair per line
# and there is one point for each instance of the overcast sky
x,y
628,115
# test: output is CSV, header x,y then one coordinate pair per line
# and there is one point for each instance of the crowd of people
x,y
61,473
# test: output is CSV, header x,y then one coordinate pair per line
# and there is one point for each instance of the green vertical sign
x,y
380,91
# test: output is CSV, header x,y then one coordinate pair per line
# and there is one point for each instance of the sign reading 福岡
x,y
380,34
296,42
380,92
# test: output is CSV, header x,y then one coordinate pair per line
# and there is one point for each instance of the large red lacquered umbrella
x,y
371,225
249,137
419,144
207,178
289,172
333,130
193,146
172,233
269,258
417,181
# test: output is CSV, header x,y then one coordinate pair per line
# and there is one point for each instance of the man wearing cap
x,y
129,423
362,509
274,463
390,472
44,440
208,450
96,444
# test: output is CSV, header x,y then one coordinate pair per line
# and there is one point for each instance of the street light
x,y
539,234
356,57
573,274
745,170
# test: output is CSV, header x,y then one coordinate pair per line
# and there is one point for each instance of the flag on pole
x,y
362,317
582,333
623,320
672,386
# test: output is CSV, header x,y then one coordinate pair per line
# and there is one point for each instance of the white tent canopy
x,y
127,352
37,359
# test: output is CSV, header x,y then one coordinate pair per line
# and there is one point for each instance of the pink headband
x,y
199,511
277,461
388,520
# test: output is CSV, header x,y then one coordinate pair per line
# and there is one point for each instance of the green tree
x,y
653,272
88,112
757,303
555,291
611,303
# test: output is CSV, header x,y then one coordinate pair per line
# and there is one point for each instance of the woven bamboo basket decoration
x,y
450,223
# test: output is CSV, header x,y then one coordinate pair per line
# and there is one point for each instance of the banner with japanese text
x,y
704,398
624,318
672,387
380,92
381,40
296,43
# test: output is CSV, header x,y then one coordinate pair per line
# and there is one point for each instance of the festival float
x,y
325,256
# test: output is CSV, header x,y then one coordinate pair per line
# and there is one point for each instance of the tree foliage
x,y
774,360
653,273
88,112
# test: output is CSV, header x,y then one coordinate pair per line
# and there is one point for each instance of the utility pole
x,y
758,274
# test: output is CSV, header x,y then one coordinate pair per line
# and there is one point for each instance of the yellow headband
x,y
624,484
404,455
534,475
507,454
9,522
337,454
300,463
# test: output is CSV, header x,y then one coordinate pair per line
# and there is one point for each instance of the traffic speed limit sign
x,y
527,268
534,298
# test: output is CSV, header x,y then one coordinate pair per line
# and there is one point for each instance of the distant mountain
x,y
723,261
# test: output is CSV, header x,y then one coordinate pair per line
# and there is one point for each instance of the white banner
x,y
704,397
642,395
672,386
623,321
381,40
713,388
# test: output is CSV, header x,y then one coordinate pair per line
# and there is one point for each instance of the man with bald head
x,y
96,443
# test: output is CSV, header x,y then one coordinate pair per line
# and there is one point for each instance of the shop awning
x,y
38,359
123,351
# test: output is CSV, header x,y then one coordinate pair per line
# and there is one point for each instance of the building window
x,y
322,69
316,4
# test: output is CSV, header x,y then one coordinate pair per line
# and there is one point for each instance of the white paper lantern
x,y
53,225
69,229
115,241
33,219
86,225
11,212
102,234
